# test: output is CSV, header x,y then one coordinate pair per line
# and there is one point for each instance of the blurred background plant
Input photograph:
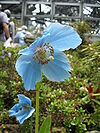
x,y
83,28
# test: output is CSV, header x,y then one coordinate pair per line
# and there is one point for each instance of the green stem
x,y
96,101
97,94
37,111
31,127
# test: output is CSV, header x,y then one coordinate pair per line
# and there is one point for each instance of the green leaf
x,y
45,127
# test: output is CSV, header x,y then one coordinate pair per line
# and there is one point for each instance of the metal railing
x,y
53,5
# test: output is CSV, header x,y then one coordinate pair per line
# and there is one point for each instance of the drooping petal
x,y
30,112
24,100
29,70
62,37
24,114
14,109
21,118
57,69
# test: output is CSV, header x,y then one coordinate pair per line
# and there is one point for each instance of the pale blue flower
x,y
46,55
22,110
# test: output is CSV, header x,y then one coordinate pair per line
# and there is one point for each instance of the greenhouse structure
x,y
53,9
49,66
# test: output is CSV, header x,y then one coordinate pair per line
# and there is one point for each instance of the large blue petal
x,y
62,37
57,69
24,100
61,60
29,70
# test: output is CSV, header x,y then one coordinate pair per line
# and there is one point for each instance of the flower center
x,y
25,106
44,54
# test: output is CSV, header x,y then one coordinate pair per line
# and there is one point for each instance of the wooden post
x,y
81,10
52,9
23,11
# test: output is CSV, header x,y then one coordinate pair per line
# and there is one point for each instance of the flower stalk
x,y
97,94
37,111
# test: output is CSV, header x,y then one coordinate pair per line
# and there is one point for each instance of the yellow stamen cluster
x,y
42,55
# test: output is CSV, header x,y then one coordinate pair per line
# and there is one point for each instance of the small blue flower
x,y
46,55
23,109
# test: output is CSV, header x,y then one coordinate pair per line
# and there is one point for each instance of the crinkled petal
x,y
38,42
14,109
35,44
57,69
30,50
31,111
29,70
62,37
43,38
24,100
24,114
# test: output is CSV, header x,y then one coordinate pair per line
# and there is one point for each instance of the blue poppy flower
x,y
23,109
45,54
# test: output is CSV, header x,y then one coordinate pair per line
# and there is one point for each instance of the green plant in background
x,y
83,28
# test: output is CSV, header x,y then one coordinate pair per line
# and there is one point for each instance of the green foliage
x,y
91,59
82,27
45,127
